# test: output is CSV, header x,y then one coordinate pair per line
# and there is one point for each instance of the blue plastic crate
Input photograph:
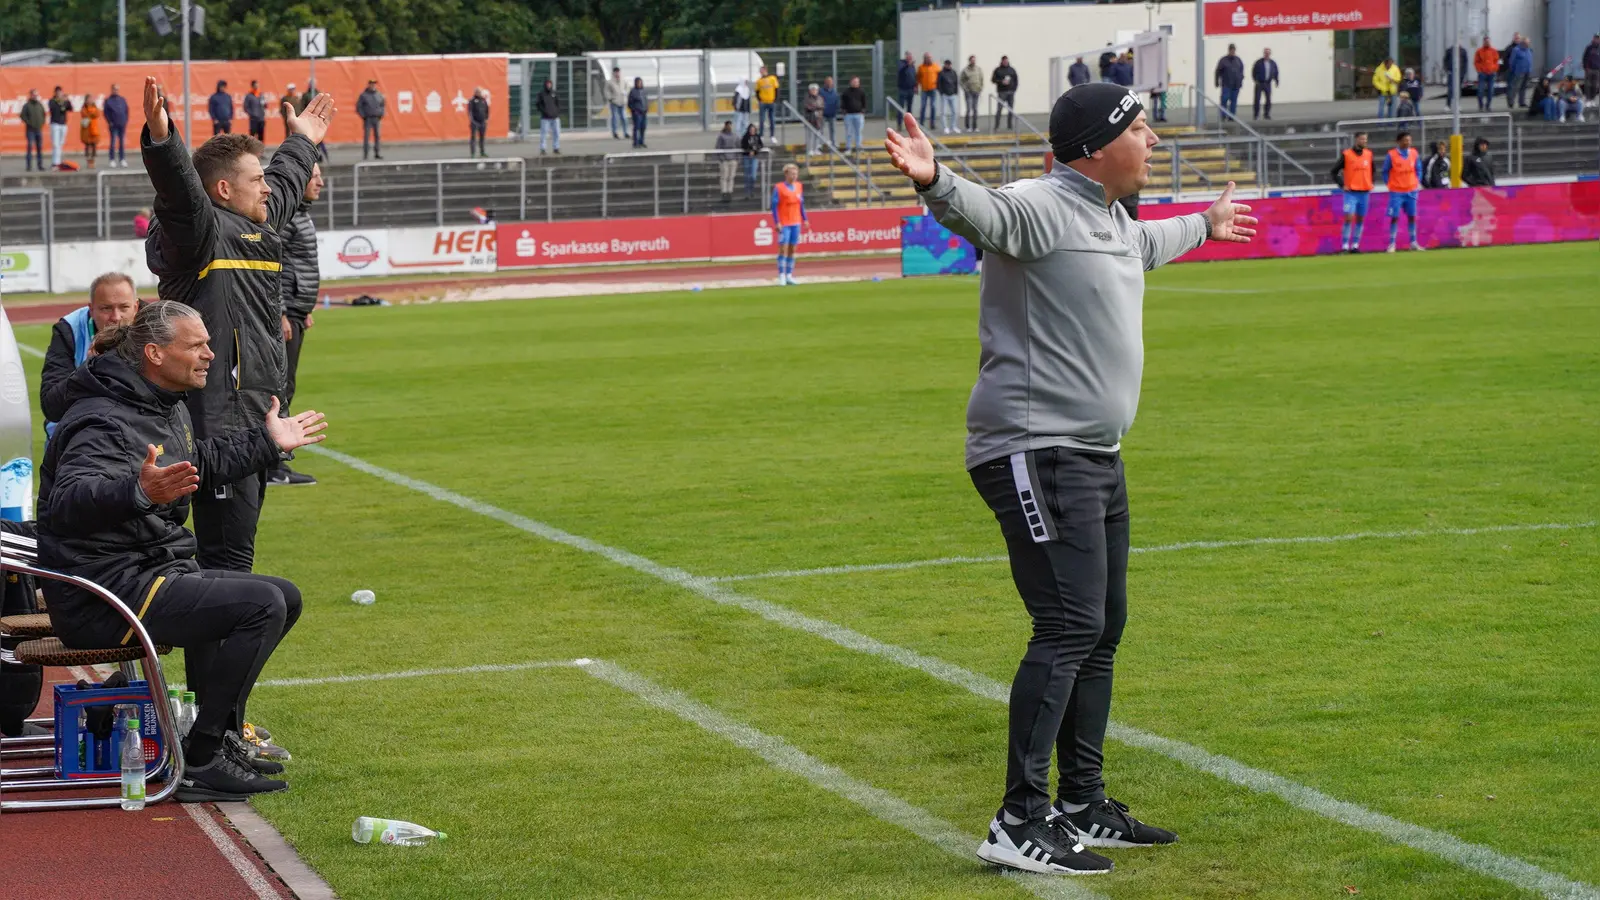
x,y
82,755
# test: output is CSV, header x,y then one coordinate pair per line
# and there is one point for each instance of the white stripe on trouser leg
x,y
785,756
1474,857
1038,520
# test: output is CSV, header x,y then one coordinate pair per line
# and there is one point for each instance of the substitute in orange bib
x,y
789,208
1400,172
1353,171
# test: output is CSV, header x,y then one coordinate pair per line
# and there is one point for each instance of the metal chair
x,y
20,554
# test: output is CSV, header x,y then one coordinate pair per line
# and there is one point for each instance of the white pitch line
x,y
419,673
31,351
1475,857
786,757
252,876
1168,548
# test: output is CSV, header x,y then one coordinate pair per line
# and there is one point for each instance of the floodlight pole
x,y
188,118
122,30
1394,31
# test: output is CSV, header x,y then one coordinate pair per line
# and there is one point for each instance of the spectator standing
x,y
1078,73
1478,170
112,302
478,124
371,107
742,92
972,89
1411,86
1519,69
767,87
294,101
1436,170
1265,75
1386,80
1122,72
751,145
549,105
1455,66
1106,59
727,160
617,102
89,128
905,82
830,109
1400,173
1591,68
928,84
639,108
60,107
115,111
1487,62
220,108
301,282
33,117
1004,80
949,89
811,107
1229,79
853,102
255,112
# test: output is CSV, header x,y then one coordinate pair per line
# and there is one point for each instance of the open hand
x,y
1229,222
912,152
294,432
312,122
286,329
164,484
155,109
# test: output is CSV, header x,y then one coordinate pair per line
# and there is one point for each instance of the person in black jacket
x,y
1478,169
214,245
1265,75
1229,78
221,109
1436,168
477,123
1004,80
750,147
114,493
638,107
301,281
549,106
112,301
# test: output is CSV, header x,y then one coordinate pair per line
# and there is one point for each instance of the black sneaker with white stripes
x,y
1047,846
1107,824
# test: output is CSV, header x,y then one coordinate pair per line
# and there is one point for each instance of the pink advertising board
x,y
1462,217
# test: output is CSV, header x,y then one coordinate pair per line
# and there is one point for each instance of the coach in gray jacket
x,y
301,279
1060,312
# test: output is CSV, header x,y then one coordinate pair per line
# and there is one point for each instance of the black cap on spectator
x,y
1089,117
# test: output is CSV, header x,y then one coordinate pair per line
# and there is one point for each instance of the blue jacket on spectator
x,y
1265,71
220,107
1521,61
1229,72
830,103
906,77
115,110
1122,73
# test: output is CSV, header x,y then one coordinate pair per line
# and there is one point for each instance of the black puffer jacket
x,y
301,278
230,269
94,520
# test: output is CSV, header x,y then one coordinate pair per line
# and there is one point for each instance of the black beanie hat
x,y
1089,117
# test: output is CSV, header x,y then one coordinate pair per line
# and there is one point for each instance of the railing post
x,y
655,186
1177,173
328,186
877,77
605,188
549,195
355,196
686,183
439,190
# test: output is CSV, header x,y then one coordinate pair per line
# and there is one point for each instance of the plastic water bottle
x,y
393,831
132,765
175,703
365,598
16,431
190,710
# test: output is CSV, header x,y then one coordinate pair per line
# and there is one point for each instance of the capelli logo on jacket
x,y
1102,235
252,237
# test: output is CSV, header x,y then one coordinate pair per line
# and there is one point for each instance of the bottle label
x,y
16,489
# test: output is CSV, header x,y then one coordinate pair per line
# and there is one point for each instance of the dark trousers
x,y
291,349
969,117
475,138
1004,103
1230,100
117,149
370,132
225,526
638,128
1064,515
258,129
908,100
227,623
1516,90
221,126
35,151
1263,102
928,116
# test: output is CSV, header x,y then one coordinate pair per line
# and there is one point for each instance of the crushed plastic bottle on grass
x,y
368,830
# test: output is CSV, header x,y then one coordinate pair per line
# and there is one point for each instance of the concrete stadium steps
x,y
1548,148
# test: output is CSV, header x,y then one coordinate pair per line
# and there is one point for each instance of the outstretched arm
x,y
182,206
290,169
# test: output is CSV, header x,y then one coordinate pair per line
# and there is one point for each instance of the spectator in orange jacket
x,y
89,128
928,83
1487,62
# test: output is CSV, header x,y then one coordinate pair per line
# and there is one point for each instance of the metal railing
x,y
1420,123
1012,119
691,161
943,151
820,141
1263,147
24,229
486,187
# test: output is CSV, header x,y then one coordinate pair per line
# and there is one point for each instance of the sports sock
x,y
1064,806
1344,235
780,264
1011,819
1394,228
1411,228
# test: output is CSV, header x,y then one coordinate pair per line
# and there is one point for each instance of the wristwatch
x,y
1206,219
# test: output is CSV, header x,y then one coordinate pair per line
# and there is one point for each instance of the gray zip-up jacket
x,y
301,279
1060,308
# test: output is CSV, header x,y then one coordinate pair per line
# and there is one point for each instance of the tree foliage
x,y
251,29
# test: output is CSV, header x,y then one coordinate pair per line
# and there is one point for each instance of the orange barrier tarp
x,y
427,95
